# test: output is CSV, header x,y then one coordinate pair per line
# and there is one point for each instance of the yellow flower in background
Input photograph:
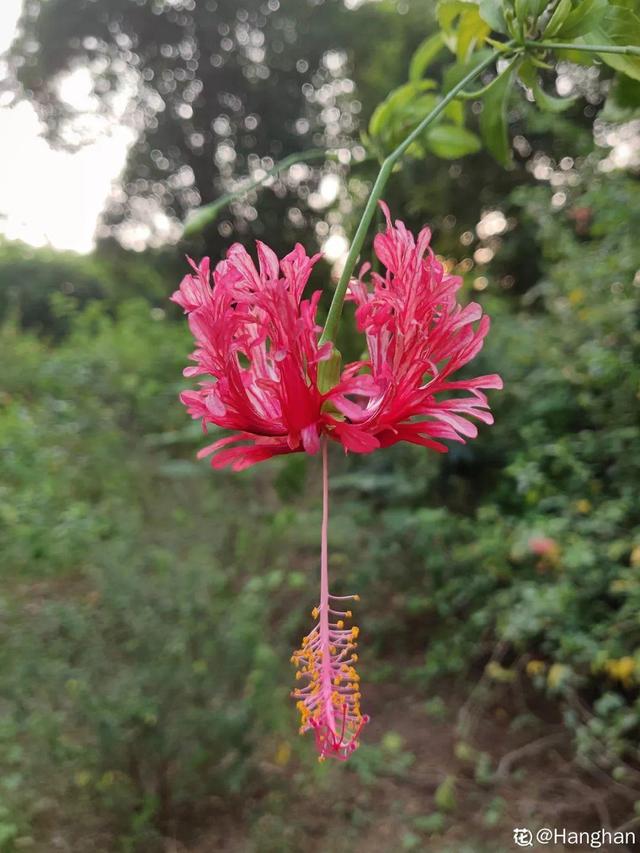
x,y
499,673
622,670
283,754
535,667
82,778
557,674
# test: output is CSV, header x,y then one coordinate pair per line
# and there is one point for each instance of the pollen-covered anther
x,y
329,704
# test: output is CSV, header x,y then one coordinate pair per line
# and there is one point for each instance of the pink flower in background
x,y
258,339
542,545
418,336
547,549
258,349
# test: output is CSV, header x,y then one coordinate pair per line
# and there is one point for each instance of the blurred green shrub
x,y
29,277
537,545
135,652
141,692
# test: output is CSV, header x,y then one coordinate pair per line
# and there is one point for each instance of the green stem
x,y
207,214
478,93
625,50
335,310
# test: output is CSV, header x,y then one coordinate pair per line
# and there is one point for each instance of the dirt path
x,y
418,783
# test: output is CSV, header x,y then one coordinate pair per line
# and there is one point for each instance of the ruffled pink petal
x,y
194,290
242,455
355,439
310,439
418,336
260,343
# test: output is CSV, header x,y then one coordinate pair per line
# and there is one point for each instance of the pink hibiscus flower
x,y
259,341
259,344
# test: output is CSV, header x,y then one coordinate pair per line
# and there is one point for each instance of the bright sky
x,y
49,196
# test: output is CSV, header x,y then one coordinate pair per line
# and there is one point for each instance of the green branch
x,y
203,216
335,310
479,93
625,50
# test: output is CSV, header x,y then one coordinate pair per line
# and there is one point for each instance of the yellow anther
x,y
348,614
356,598
340,624
355,657
355,631
315,612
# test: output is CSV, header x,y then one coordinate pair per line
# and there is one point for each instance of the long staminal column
x,y
329,703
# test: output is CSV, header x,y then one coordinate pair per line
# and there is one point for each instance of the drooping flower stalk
x,y
329,703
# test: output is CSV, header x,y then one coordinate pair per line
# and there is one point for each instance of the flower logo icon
x,y
523,837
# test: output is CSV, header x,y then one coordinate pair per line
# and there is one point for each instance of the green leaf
x,y
403,109
493,118
491,12
623,101
431,823
549,103
455,112
620,25
522,10
448,10
462,26
455,73
514,27
582,19
558,18
450,142
394,102
424,56
526,9
539,6
445,795
471,32
500,46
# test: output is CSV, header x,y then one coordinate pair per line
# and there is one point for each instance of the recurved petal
x,y
355,439
268,261
194,290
